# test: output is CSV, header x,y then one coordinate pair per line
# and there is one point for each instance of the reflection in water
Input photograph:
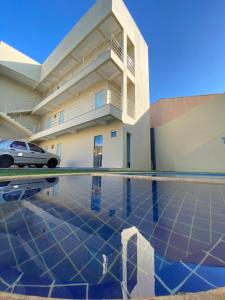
x,y
96,193
155,201
24,189
127,196
118,252
138,265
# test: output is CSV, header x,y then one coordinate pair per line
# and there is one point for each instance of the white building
x,y
89,101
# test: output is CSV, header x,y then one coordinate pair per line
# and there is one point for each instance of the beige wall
x,y
16,61
9,131
77,148
138,127
193,141
15,95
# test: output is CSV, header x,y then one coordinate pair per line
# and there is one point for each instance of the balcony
x,y
97,65
82,114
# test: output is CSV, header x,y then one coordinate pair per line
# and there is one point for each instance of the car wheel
x,y
6,161
21,166
50,180
52,163
39,166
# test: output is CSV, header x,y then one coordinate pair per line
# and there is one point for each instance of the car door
x,y
37,153
20,152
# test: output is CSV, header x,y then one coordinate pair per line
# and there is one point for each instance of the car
x,y
22,153
24,189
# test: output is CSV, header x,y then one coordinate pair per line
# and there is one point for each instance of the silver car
x,y
21,153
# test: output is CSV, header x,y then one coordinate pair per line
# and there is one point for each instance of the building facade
x,y
88,102
188,134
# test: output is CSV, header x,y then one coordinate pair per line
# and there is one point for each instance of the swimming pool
x,y
98,237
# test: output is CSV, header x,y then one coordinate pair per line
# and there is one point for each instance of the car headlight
x,y
20,154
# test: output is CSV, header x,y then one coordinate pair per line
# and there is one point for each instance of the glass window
x,y
113,133
100,98
49,122
35,148
61,117
19,145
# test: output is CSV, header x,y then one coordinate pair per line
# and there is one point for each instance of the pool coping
x,y
217,294
122,174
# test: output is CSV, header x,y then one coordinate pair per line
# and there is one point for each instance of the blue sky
x,y
186,38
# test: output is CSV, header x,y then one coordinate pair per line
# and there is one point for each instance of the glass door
x,y
98,143
59,150
128,150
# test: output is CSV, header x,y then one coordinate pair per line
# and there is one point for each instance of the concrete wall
x,y
194,140
16,61
138,127
77,148
8,131
15,95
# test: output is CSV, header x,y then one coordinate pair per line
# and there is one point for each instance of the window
x,y
61,117
49,122
35,148
113,133
19,145
100,98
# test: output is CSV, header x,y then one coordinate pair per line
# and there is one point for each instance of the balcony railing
x,y
79,108
108,44
131,64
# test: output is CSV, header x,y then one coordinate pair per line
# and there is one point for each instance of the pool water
x,y
92,237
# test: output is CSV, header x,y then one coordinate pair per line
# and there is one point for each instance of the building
x,y
89,101
188,133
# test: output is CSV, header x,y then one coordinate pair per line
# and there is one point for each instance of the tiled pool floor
x,y
110,237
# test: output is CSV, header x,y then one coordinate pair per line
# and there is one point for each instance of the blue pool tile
x,y
106,291
179,272
160,289
214,275
64,270
194,284
32,291
70,292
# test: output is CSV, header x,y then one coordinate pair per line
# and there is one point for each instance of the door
x,y
20,152
128,150
59,150
37,154
98,144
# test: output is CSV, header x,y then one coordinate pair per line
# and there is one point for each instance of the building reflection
x,y
138,265
155,201
127,195
96,193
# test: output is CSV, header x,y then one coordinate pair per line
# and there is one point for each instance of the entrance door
x,y
128,150
98,142
59,150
